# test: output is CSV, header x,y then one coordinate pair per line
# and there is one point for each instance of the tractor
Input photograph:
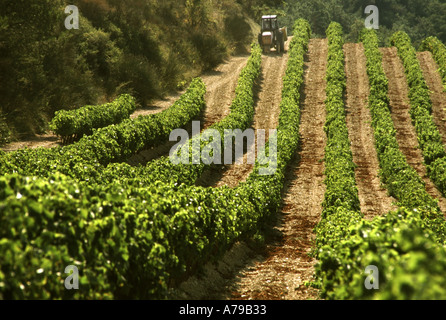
x,y
271,35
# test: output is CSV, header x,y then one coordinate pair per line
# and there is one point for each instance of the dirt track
x,y
438,96
267,110
405,131
372,196
47,140
281,270
281,275
220,91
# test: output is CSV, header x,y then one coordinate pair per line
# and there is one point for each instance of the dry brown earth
x,y
438,95
405,131
266,117
372,195
287,266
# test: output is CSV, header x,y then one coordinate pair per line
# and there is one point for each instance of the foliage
x,y
403,246
143,48
85,159
319,13
429,137
414,17
130,241
438,49
74,124
407,246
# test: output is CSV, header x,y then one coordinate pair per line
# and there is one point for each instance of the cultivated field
x,y
360,181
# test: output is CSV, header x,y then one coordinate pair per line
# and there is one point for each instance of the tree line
x,y
418,18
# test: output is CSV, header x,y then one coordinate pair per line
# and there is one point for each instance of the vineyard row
x,y
406,246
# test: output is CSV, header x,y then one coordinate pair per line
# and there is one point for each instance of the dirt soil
x,y
220,86
372,195
282,268
157,105
47,140
438,95
220,91
267,109
405,131
287,266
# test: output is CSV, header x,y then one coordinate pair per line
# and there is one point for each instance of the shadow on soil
x,y
220,280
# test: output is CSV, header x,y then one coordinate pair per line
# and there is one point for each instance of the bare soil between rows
x,y
438,95
373,197
288,266
405,131
281,269
267,96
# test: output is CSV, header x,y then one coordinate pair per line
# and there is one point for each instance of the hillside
x,y
417,18
144,48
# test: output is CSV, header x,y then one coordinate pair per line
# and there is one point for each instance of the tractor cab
x,y
269,23
271,35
